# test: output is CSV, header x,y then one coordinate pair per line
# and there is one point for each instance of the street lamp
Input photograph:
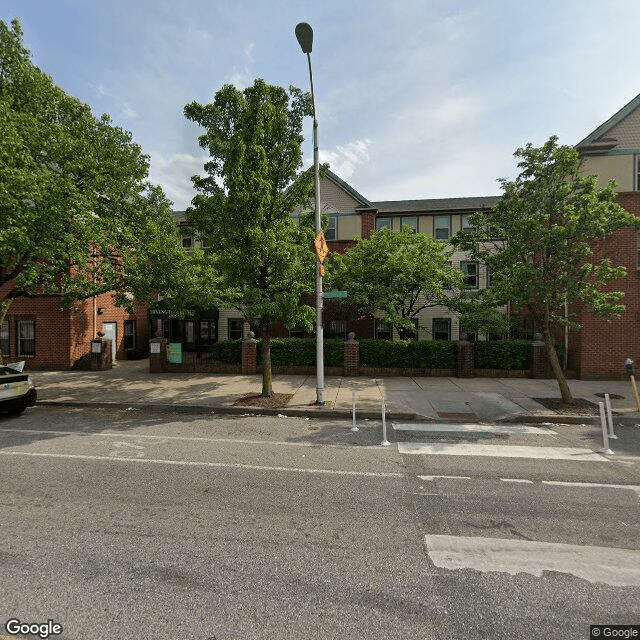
x,y
304,34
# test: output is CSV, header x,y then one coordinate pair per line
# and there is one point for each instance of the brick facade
x,y
63,336
601,347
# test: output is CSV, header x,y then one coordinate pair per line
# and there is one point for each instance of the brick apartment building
x,y
39,332
45,336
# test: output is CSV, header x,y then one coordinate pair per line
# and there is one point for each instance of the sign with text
x,y
174,352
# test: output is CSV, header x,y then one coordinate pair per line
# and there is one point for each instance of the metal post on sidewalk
x,y
385,442
605,438
607,401
353,406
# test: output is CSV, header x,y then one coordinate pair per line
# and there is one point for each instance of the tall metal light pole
x,y
304,34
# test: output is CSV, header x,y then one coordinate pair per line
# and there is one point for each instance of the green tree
x,y
244,207
77,215
400,273
539,243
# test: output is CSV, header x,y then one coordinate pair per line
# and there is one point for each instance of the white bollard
x,y
385,442
605,437
607,402
353,406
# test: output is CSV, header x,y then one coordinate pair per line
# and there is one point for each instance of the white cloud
x,y
346,158
173,173
241,78
128,112
99,89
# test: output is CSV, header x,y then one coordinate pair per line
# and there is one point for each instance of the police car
x,y
17,391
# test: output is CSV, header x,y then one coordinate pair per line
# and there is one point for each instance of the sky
x,y
414,98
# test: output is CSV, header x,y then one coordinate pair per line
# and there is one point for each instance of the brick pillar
x,y
351,356
157,355
539,359
101,354
465,357
249,354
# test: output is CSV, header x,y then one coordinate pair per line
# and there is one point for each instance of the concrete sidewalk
x,y
130,384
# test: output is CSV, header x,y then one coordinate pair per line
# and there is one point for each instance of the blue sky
x,y
415,98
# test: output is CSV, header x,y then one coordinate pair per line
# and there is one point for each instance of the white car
x,y
17,391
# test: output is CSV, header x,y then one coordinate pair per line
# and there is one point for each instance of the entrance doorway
x,y
110,330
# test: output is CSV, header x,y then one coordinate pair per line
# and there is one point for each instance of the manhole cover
x,y
613,396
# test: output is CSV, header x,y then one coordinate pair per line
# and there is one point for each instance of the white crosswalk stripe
x,y
472,428
499,450
616,567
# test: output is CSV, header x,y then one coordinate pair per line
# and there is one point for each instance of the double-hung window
x,y
26,329
332,229
383,223
470,270
465,225
441,328
235,326
409,221
383,330
442,227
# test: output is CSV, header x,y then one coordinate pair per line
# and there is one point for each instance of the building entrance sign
x,y
174,353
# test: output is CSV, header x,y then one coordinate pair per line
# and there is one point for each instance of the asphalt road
x,y
138,524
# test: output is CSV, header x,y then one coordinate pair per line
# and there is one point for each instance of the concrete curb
x,y
341,414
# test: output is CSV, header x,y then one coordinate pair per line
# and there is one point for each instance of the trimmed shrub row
x,y
302,352
427,354
503,354
228,351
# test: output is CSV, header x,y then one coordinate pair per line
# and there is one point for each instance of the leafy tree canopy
x,y
252,185
540,242
77,214
399,273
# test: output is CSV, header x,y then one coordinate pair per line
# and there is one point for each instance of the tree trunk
x,y
267,387
4,308
565,392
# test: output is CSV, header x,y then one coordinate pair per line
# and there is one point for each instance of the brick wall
x,y
368,225
601,347
52,332
64,336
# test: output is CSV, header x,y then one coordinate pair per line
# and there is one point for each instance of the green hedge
x,y
229,351
302,352
503,354
428,354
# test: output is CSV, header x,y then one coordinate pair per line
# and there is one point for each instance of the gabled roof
x,y
363,203
596,138
180,216
436,204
